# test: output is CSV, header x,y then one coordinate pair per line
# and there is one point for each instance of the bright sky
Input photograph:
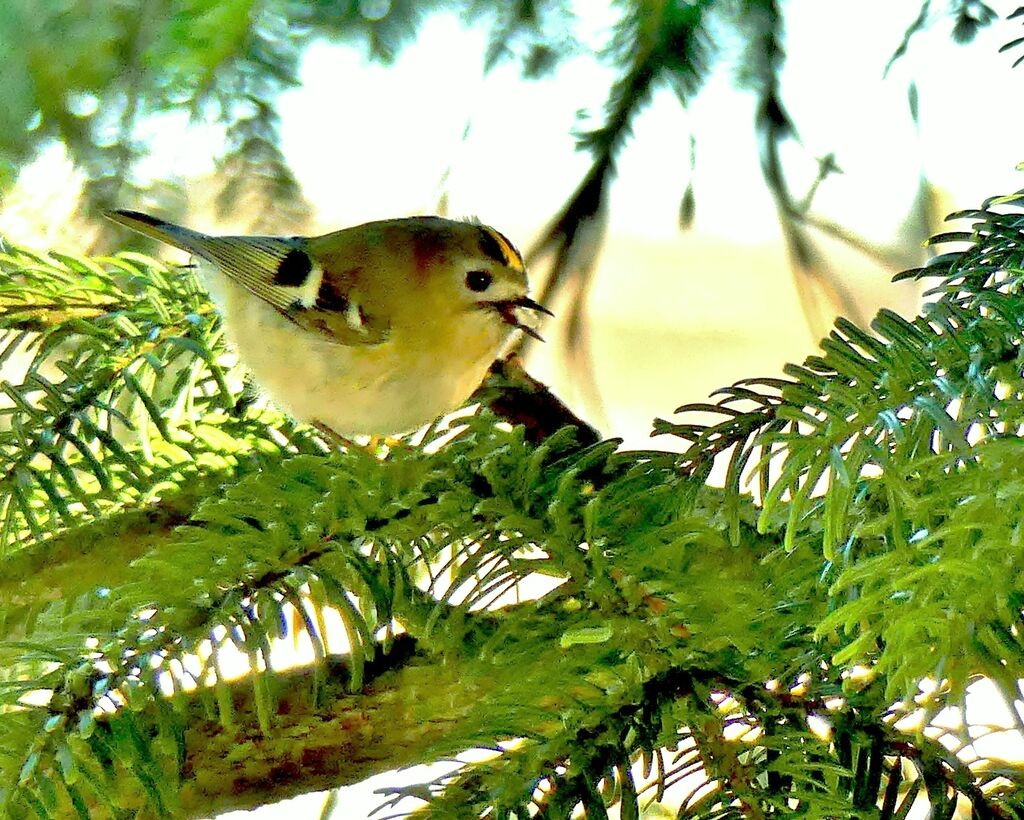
x,y
369,141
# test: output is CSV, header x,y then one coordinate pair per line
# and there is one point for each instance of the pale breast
x,y
389,388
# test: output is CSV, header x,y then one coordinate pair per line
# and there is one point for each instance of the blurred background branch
x,y
106,82
95,77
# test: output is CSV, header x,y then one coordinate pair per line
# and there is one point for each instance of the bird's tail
x,y
184,238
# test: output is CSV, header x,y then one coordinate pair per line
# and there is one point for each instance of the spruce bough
x,y
720,652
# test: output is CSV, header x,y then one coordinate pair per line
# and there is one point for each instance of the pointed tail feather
x,y
184,238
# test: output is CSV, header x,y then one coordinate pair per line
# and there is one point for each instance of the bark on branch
x,y
409,702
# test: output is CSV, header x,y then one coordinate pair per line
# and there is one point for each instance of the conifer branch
x,y
687,625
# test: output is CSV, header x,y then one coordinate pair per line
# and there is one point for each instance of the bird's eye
x,y
478,280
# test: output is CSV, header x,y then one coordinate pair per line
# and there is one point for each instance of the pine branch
x,y
61,569
124,391
325,737
415,704
687,625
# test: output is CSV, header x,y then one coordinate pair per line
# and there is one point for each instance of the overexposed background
x,y
673,314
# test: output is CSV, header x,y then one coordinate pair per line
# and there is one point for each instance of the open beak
x,y
506,309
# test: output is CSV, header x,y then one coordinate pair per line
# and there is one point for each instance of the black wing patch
x,y
293,269
275,270
330,297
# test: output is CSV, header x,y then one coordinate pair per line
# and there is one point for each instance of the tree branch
x,y
51,570
409,703
514,395
54,569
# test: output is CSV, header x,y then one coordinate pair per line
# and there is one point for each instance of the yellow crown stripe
x,y
512,257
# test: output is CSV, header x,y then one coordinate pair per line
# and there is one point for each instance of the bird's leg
x,y
332,437
378,446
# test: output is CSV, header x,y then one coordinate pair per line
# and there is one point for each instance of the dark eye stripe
x,y
293,269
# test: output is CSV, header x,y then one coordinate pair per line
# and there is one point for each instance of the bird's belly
x,y
381,389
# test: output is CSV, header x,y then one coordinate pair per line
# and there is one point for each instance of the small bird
x,y
376,329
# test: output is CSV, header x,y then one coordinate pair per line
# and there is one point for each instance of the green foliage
x,y
157,523
931,406
118,394
678,46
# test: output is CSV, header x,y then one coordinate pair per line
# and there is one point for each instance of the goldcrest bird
x,y
376,329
